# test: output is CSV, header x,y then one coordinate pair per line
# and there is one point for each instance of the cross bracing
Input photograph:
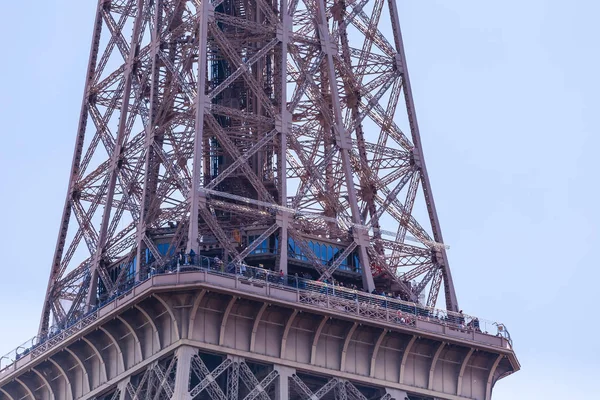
x,y
302,107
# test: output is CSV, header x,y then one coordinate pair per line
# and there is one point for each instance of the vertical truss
x,y
157,382
235,380
334,389
241,382
200,118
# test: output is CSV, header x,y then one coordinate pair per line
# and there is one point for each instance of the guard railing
x,y
313,292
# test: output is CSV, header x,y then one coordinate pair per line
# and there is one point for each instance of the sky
x,y
507,99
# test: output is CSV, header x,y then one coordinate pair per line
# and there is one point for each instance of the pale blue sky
x,y
507,98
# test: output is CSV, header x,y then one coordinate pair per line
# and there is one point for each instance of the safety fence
x,y
312,292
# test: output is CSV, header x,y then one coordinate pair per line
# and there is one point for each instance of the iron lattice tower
x,y
275,132
234,157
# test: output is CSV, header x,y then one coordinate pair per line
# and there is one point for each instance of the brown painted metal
x,y
238,320
204,125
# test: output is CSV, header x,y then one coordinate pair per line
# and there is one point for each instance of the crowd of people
x,y
403,312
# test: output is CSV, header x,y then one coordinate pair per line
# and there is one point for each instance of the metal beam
x,y
224,320
257,320
151,322
346,344
405,357
193,312
434,360
286,331
313,354
170,311
60,369
103,373
46,383
490,380
463,367
184,356
115,343
376,352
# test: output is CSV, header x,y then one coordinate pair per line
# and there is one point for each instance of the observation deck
x,y
266,317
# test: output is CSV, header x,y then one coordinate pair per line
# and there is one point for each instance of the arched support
x,y
65,376
43,379
488,388
346,344
405,357
151,322
120,359
103,372
6,394
27,389
86,381
137,345
170,311
255,326
286,331
376,351
224,320
195,307
313,353
433,363
463,367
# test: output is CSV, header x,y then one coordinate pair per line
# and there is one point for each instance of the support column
x,y
122,387
205,13
282,386
283,125
184,356
233,377
396,394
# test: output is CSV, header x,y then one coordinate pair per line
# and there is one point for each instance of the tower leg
x,y
282,386
122,386
182,377
397,394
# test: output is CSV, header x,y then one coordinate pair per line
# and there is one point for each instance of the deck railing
x,y
313,292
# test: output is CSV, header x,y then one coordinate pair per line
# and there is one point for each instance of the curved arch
x,y
462,371
64,374
83,369
195,307
286,331
313,353
151,322
43,379
120,359
103,372
405,357
136,338
27,389
488,388
433,363
376,351
255,326
170,311
346,344
224,320
6,394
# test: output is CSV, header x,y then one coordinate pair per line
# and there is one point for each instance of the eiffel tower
x,y
249,215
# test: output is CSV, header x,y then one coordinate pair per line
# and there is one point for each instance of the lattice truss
x,y
293,125
237,380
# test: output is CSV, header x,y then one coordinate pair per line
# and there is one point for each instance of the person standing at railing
x,y
219,264
192,257
181,257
